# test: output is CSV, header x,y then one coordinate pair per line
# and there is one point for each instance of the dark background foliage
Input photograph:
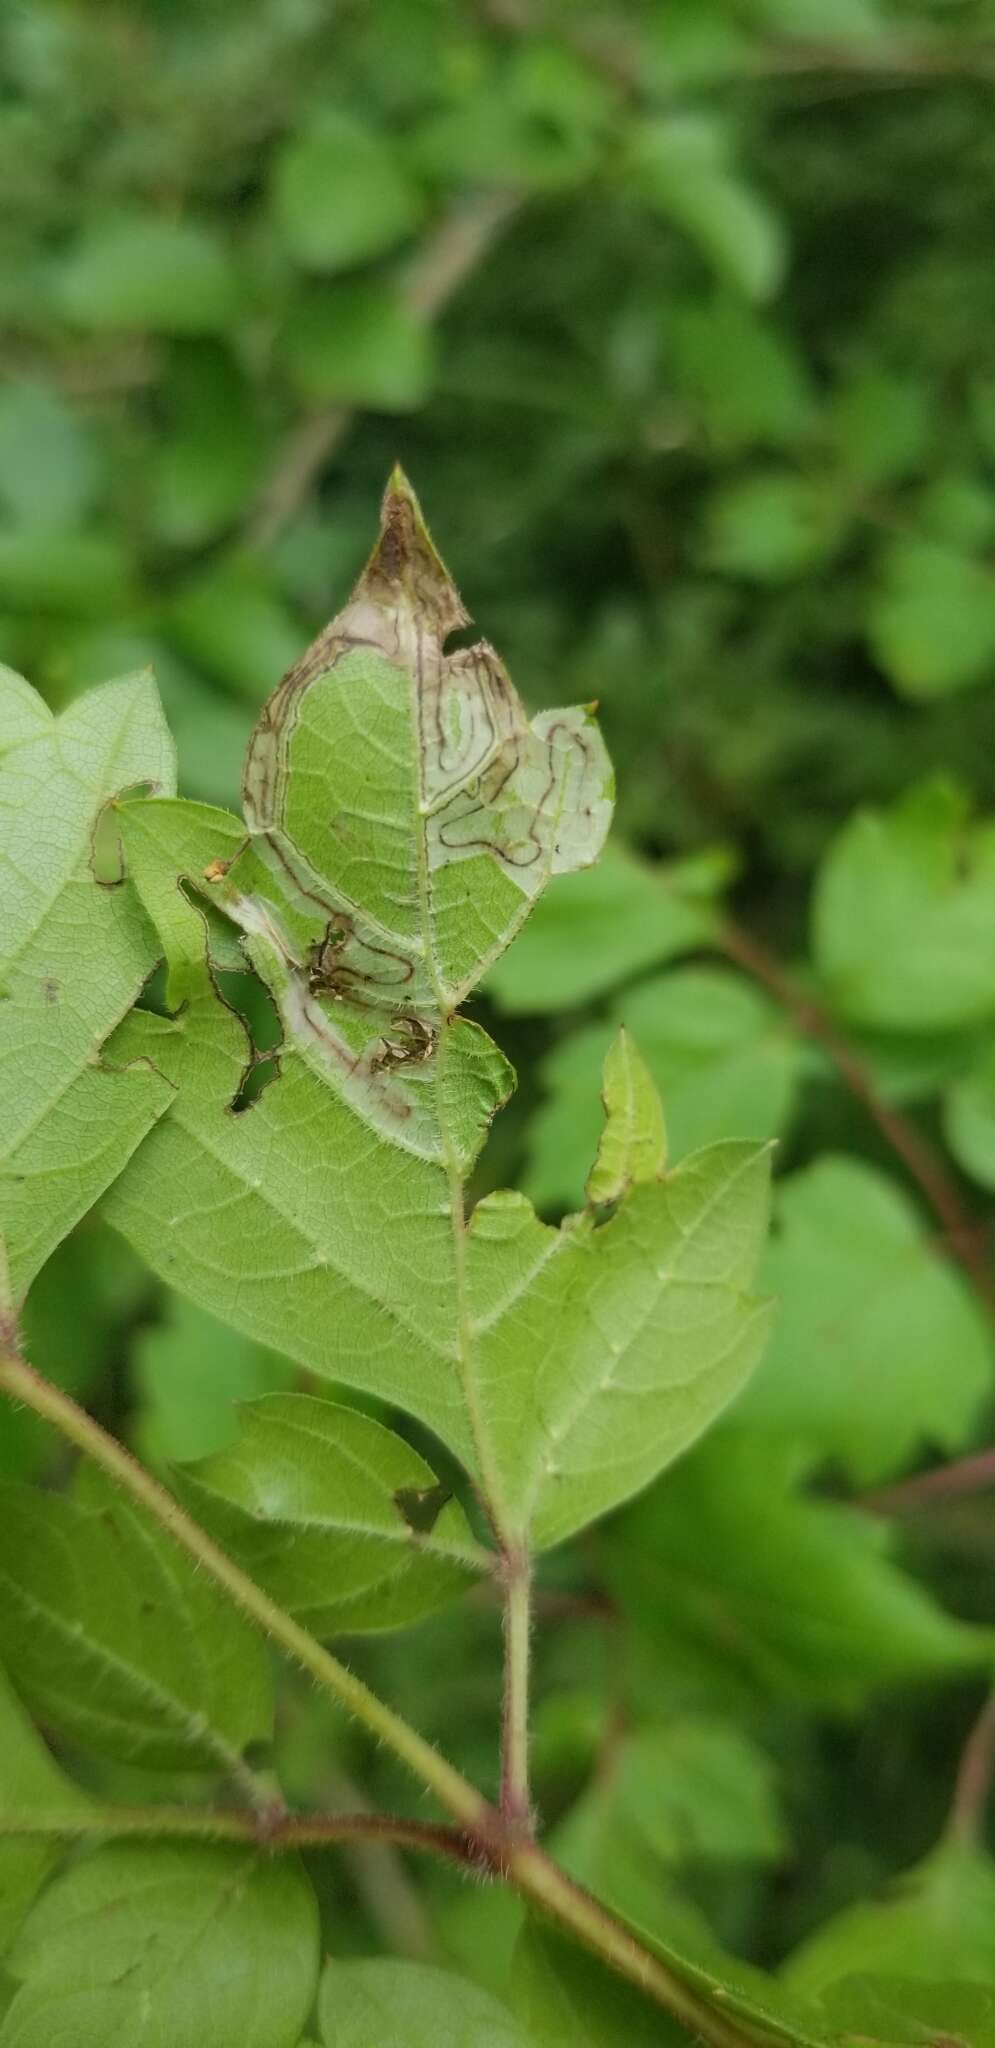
x,y
680,315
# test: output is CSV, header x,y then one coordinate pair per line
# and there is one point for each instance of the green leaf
x,y
379,2003
357,345
937,1921
52,569
30,1783
387,862
342,195
724,1059
341,1521
680,166
567,1999
698,1790
969,1117
48,472
74,954
633,1145
677,1793
597,930
772,525
903,918
189,1371
572,2001
931,623
767,402
232,622
170,1946
797,1595
170,276
875,2007
879,1346
202,473
116,1639
880,422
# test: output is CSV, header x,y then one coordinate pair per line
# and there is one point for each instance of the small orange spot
x,y
216,870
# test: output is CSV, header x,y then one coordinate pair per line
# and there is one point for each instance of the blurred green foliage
x,y
681,314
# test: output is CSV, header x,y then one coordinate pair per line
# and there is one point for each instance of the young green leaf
x,y
171,1946
724,1060
377,2003
633,1145
30,1783
115,1639
879,1346
74,952
341,1521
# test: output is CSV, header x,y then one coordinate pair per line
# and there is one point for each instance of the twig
x,y
973,1784
924,1164
455,1793
946,1483
283,1833
516,1803
490,1843
379,1875
432,278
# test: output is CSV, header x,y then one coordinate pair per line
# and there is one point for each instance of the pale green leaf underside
x,y
116,1639
395,799
342,1522
74,953
167,1947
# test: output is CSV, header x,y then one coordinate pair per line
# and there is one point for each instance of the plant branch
x,y
482,1837
282,1832
432,278
936,1489
924,1164
516,1801
380,1876
455,1793
973,1784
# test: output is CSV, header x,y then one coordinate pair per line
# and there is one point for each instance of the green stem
x,y
516,1802
482,1838
456,1794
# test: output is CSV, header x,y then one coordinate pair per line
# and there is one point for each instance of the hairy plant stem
x,y
460,1798
482,1838
516,1801
283,1831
